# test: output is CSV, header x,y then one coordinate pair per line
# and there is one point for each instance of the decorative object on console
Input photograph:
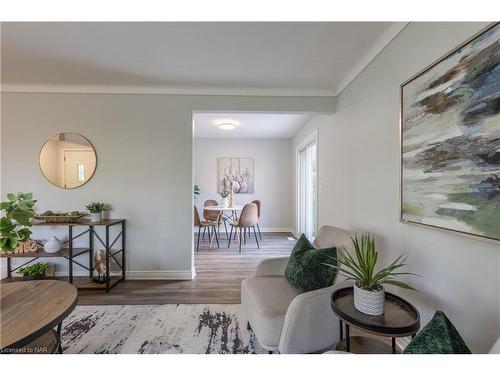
x,y
450,171
236,174
439,336
60,217
68,160
28,246
14,226
100,266
369,292
34,272
96,209
53,245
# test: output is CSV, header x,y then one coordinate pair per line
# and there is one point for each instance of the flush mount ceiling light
x,y
226,125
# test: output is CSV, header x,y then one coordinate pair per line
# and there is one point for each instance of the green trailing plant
x,y
224,193
361,267
95,207
196,191
17,212
35,270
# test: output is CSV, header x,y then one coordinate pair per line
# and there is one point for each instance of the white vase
x,y
96,216
53,245
225,202
369,302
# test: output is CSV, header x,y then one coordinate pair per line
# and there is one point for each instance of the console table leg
x,y
123,250
91,252
70,254
108,274
393,345
9,267
347,339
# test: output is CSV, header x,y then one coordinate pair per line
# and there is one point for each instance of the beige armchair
x,y
285,320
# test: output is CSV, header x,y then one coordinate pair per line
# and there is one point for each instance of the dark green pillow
x,y
305,269
439,336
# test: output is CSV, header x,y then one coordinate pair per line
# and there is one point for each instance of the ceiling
x,y
288,58
249,125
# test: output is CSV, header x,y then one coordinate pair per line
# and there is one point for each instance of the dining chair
x,y
248,219
257,202
210,215
204,224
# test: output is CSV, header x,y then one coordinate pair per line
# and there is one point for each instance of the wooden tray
x,y
60,218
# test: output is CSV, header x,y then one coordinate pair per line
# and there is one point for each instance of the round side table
x,y
30,310
400,319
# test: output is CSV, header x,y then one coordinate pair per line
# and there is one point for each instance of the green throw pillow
x,y
305,269
439,336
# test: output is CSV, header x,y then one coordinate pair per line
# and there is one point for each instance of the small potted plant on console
x,y
96,209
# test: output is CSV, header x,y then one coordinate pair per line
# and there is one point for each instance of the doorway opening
x,y
307,187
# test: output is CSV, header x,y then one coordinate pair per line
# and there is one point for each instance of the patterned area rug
x,y
192,329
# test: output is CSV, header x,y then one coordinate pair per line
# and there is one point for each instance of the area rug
x,y
192,329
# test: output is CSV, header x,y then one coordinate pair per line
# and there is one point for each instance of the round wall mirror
x,y
68,160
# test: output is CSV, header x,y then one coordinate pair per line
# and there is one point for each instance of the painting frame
x,y
249,163
401,140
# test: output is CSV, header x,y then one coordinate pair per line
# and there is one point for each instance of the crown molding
x,y
162,90
371,54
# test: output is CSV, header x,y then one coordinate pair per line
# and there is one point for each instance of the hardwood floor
x,y
218,276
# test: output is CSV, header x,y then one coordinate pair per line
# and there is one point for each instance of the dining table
x,y
227,215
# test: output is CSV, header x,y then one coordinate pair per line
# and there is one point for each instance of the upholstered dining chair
x,y
212,226
248,219
210,215
257,202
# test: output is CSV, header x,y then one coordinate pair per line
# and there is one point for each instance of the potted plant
x,y
369,294
34,272
14,225
225,200
196,191
96,209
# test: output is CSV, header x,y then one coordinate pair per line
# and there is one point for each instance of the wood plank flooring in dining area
x,y
219,273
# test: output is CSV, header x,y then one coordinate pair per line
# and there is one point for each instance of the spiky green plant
x,y
361,268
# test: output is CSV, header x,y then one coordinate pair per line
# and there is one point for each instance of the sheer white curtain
x,y
307,212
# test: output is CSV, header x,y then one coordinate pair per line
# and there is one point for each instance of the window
x,y
81,172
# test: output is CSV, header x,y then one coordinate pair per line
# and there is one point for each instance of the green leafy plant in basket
x,y
18,211
34,272
361,267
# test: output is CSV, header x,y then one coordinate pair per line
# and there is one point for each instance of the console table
x,y
70,252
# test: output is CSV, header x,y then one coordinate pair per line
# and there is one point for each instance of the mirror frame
x,y
40,164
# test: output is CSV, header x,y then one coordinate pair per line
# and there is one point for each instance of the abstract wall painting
x,y
237,173
450,140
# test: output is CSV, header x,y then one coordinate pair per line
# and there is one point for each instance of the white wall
x,y
273,175
359,171
144,147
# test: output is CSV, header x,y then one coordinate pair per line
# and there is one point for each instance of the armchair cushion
x,y
306,270
266,300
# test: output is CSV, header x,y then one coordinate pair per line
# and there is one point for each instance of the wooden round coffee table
x,y
30,310
400,319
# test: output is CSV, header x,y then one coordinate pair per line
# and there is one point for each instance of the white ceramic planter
x,y
96,216
369,302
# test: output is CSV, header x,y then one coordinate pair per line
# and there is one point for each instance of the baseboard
x,y
276,230
144,275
